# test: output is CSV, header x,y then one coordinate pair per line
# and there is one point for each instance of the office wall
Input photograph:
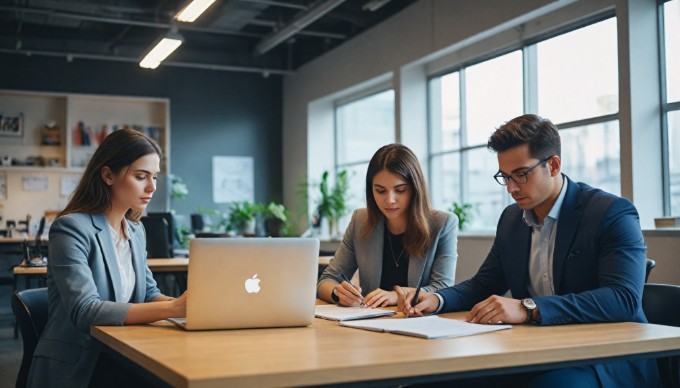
x,y
211,113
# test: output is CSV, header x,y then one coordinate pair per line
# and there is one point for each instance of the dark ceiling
x,y
275,37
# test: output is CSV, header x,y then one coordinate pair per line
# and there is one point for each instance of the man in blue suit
x,y
568,253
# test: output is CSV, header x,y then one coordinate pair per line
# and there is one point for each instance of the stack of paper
x,y
425,327
339,313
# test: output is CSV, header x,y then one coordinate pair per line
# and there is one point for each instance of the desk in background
x,y
326,353
178,264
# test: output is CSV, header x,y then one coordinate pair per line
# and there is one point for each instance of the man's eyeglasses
x,y
521,177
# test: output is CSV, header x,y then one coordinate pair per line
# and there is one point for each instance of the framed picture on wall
x,y
3,186
12,125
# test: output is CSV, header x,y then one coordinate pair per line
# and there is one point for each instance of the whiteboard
x,y
233,179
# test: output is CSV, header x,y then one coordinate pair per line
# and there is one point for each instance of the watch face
x,y
529,303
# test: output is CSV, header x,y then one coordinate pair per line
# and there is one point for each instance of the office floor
x,y
10,348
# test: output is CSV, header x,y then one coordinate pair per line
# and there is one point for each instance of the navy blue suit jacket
x,y
598,271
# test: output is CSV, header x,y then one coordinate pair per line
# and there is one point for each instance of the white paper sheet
x,y
425,327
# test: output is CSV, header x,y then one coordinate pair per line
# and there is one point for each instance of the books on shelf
x,y
85,135
341,313
425,327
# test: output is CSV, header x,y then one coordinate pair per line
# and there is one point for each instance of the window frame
x,y
528,50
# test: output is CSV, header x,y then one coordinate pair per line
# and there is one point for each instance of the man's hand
x,y
496,310
427,302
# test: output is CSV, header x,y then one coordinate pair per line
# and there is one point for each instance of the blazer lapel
x,y
519,238
567,226
138,262
375,255
107,249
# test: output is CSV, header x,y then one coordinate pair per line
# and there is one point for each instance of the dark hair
x,y
400,160
118,150
539,133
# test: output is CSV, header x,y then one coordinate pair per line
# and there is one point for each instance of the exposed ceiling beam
x,y
127,22
299,22
203,66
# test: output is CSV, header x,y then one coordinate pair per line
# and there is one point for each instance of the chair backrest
x,y
650,266
157,243
170,219
659,302
30,309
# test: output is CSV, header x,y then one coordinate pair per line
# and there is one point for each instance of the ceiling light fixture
x,y
164,47
193,10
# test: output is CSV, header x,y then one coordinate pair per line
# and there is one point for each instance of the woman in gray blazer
x,y
97,272
395,241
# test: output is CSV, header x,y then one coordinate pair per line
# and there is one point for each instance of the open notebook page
x,y
425,327
340,313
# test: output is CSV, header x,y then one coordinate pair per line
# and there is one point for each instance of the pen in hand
x,y
350,283
414,301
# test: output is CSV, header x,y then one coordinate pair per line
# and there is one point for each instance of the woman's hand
x,y
348,294
380,298
426,304
178,306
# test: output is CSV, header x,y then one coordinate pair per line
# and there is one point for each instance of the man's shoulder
x,y
594,197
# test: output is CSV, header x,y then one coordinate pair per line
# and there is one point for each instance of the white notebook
x,y
425,327
340,313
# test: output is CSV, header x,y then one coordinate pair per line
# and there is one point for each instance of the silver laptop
x,y
239,283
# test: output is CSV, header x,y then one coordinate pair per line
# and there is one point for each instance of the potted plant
x,y
242,217
275,218
333,202
463,211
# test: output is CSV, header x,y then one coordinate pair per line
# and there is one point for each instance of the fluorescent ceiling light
x,y
192,11
161,51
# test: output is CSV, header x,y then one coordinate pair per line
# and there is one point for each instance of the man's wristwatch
x,y
334,296
529,305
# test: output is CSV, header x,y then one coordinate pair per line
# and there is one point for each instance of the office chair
x,y
158,246
660,304
30,310
650,266
172,230
157,243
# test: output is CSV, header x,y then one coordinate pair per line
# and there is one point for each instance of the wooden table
x,y
326,353
20,240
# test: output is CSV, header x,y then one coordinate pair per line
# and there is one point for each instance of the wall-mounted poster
x,y
233,179
68,184
12,125
35,182
3,186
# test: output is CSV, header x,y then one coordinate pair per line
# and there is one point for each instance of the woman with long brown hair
x,y
396,240
97,271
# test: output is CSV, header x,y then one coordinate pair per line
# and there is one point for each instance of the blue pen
x,y
348,281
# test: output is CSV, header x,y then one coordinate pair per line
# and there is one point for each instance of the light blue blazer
x,y
366,254
83,284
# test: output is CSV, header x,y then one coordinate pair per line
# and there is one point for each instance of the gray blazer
x,y
438,266
83,284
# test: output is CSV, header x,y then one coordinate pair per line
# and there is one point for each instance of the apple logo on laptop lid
x,y
252,285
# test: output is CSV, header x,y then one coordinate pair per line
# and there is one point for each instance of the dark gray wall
x,y
211,113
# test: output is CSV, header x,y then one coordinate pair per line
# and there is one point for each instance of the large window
x,y
571,79
362,126
671,12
